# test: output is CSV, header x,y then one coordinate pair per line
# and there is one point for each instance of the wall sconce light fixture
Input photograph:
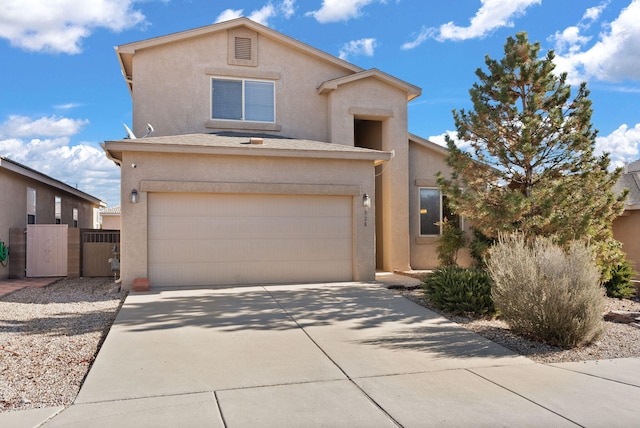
x,y
134,196
366,201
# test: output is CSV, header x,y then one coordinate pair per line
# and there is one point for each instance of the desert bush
x,y
547,293
619,284
460,291
451,240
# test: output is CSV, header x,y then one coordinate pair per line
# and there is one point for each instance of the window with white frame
x,y
243,99
433,210
58,209
75,217
31,205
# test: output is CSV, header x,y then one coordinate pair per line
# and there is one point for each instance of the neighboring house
x,y
626,228
271,161
30,197
110,218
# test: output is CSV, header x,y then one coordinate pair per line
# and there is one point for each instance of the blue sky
x,y
62,94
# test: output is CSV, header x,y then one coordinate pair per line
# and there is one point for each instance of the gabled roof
x,y
411,90
111,211
127,51
630,180
428,144
25,171
236,144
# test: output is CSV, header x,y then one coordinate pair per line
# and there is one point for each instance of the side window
x,y
244,100
434,209
75,217
58,209
31,205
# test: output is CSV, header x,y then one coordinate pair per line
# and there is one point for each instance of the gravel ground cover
x,y
49,338
618,341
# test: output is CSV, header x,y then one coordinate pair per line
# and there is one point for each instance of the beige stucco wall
x,y
172,87
626,229
372,100
13,206
111,222
424,164
253,171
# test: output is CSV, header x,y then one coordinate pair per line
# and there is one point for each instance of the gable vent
x,y
243,48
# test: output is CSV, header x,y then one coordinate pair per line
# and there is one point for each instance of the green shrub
x,y
451,240
460,291
619,284
479,247
547,293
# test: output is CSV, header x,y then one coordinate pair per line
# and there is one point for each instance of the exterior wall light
x,y
366,201
134,196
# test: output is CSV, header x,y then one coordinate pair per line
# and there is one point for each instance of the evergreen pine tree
x,y
530,165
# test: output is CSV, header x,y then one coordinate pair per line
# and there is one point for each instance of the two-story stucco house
x,y
270,161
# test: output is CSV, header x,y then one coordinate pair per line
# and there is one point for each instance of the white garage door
x,y
209,239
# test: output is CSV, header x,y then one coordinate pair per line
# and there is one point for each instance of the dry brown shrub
x,y
547,293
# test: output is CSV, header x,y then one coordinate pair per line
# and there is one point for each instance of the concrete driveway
x,y
331,355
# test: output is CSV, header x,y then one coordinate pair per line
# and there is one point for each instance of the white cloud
x,y
593,13
358,47
614,57
339,10
229,14
60,26
440,140
53,126
262,15
288,8
491,15
44,144
623,144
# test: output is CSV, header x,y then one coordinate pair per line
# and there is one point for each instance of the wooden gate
x,y
46,250
97,248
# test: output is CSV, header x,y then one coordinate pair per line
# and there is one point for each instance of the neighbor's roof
x,y
111,211
238,144
127,51
630,180
25,171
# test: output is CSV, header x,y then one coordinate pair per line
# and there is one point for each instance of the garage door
x,y
209,239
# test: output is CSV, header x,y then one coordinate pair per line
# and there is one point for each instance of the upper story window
x,y
58,209
243,99
31,205
75,217
433,210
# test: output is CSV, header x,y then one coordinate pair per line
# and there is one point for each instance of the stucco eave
x,y
115,149
333,84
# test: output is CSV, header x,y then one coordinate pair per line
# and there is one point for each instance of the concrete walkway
x,y
8,286
333,355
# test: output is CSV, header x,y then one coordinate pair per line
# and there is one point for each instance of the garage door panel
x,y
249,250
199,228
237,273
204,239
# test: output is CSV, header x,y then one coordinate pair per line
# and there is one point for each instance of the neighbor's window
x,y
31,205
246,100
433,210
58,209
75,217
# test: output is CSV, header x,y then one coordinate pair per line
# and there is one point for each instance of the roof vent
x,y
243,48
256,140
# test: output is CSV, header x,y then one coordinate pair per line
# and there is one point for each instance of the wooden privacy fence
x,y
98,247
78,252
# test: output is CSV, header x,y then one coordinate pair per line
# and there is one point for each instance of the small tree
x,y
450,242
530,167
